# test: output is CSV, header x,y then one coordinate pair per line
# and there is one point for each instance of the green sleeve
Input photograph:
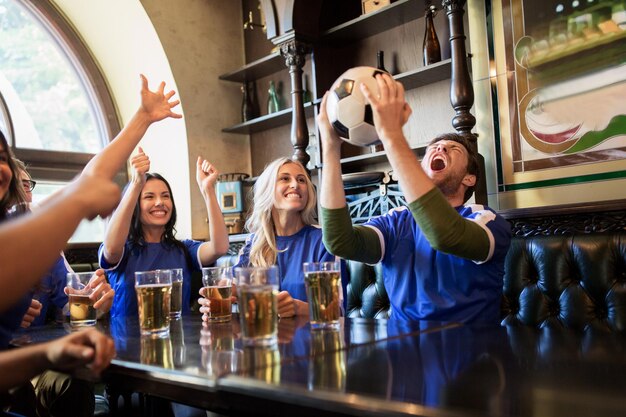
x,y
446,230
356,243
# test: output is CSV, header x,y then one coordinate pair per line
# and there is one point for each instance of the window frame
x,y
62,165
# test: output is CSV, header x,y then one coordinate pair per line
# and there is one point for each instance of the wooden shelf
x,y
256,69
425,75
268,121
410,79
373,158
396,14
363,26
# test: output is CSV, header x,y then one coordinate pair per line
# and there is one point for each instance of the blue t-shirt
x,y
148,257
424,284
51,289
11,319
304,246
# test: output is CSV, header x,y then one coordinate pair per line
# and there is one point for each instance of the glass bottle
x,y
272,99
619,14
575,24
380,61
254,99
557,35
306,93
431,48
380,64
247,108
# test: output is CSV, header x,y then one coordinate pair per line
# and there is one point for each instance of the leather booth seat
x,y
366,296
571,281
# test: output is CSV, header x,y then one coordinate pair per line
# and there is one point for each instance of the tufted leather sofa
x,y
367,296
574,281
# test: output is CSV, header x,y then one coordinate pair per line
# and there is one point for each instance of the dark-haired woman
x,y
141,234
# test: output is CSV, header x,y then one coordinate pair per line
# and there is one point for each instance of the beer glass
x,y
258,311
324,294
176,306
82,312
154,290
218,283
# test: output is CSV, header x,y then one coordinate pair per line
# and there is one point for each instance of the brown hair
x,y
16,194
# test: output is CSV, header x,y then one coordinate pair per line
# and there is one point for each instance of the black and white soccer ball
x,y
347,108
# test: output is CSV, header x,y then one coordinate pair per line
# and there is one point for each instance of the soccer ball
x,y
347,108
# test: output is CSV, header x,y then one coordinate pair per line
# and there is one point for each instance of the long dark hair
x,y
16,192
135,234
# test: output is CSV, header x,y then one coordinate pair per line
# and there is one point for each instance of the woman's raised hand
x,y
206,175
157,105
141,165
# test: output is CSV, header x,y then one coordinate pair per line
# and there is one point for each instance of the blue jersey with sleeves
x,y
304,246
148,257
51,289
425,284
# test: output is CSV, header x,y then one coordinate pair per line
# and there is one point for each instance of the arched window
x,y
55,108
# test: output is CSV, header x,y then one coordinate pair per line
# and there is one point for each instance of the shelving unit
x,y
396,14
269,121
256,69
410,79
373,158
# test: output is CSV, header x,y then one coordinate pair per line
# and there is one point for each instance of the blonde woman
x,y
283,232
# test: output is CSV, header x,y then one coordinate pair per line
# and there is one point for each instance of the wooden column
x,y
295,53
461,89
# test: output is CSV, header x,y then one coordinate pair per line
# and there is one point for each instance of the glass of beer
x,y
324,294
154,290
176,308
82,312
218,284
258,311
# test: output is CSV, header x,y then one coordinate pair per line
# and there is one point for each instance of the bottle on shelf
x,y
380,61
431,48
380,64
619,14
254,99
557,35
247,108
306,93
272,99
282,104
575,23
